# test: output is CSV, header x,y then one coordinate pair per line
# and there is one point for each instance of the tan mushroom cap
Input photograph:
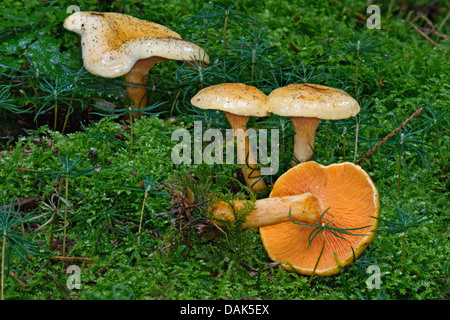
x,y
352,201
312,101
236,98
112,42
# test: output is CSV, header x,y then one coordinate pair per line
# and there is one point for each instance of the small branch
x,y
25,169
254,271
272,265
23,202
23,284
423,34
390,135
61,258
180,209
294,47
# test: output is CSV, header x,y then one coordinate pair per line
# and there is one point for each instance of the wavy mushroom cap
x,y
312,101
112,42
352,201
236,98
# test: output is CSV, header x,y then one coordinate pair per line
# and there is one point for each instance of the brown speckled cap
x,y
235,98
112,42
312,101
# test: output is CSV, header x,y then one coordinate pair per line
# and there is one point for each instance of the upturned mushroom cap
x,y
312,101
112,42
352,201
236,98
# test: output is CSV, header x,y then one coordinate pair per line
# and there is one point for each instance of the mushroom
x,y
340,197
115,44
239,102
307,105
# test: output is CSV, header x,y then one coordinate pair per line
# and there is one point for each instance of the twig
x,y
159,250
249,267
255,271
25,169
180,209
423,34
23,284
23,202
272,265
294,47
400,127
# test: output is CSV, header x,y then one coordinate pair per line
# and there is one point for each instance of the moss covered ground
x,y
55,130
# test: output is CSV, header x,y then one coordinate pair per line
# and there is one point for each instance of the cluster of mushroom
x,y
305,104
309,194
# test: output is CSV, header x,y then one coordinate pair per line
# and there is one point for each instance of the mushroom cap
x,y
113,42
236,98
312,101
352,201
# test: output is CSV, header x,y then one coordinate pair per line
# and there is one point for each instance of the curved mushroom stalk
x,y
136,80
271,211
245,156
147,52
304,139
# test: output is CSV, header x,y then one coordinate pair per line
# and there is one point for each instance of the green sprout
x,y
102,135
151,187
436,121
14,237
405,142
106,219
402,222
67,169
51,212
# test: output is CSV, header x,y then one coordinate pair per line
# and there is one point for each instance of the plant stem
x,y
225,32
3,266
131,133
174,102
68,113
356,139
356,67
253,71
399,170
142,215
320,256
437,146
403,249
112,230
56,117
65,218
50,240
344,146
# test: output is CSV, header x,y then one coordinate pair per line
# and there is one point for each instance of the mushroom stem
x,y
137,79
304,140
270,211
252,174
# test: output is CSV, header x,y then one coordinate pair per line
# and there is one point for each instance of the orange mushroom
x,y
341,197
